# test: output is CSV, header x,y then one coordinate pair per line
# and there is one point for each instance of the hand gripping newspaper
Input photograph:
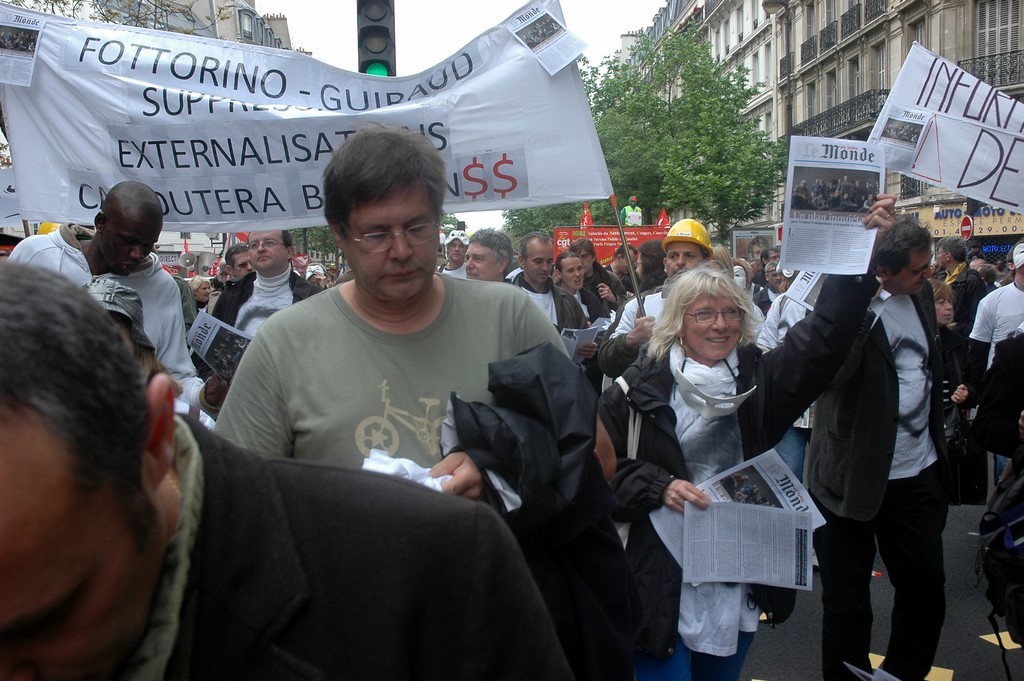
x,y
758,528
220,345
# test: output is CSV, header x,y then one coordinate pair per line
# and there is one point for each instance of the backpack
x,y
1001,555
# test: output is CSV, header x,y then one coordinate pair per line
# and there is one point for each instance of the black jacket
x,y
236,293
310,572
539,437
1002,399
968,290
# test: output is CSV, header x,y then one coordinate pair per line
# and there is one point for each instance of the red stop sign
x,y
967,227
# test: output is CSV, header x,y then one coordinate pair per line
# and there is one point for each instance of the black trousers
x,y
908,531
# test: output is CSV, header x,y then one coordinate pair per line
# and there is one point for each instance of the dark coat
x,y
851,449
539,437
968,290
236,293
599,275
311,572
1002,399
788,379
567,311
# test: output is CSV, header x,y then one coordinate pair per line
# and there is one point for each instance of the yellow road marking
x,y
1007,643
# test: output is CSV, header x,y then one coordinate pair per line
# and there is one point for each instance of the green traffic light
x,y
377,69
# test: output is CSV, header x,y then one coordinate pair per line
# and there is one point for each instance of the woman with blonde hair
x,y
201,290
708,399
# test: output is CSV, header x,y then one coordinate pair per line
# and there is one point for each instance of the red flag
x,y
662,219
586,220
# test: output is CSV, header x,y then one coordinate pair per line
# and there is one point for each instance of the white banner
x,y
230,135
942,125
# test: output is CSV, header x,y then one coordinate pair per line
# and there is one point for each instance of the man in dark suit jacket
x,y
134,545
877,467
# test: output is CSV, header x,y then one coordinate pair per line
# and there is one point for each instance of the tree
x,y
672,128
179,16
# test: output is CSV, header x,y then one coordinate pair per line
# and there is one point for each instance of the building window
x,y
830,11
917,31
246,25
998,27
768,123
853,80
811,96
810,25
878,52
755,69
830,90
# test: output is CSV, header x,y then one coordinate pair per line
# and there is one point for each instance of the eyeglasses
x,y
267,244
375,242
733,314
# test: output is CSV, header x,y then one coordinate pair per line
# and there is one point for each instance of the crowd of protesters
x,y
158,520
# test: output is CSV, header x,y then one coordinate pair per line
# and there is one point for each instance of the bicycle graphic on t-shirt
x,y
380,432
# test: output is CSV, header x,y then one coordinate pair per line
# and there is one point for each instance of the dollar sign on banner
x,y
469,178
505,160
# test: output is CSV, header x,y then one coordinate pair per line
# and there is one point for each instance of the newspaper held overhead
x,y
19,38
944,126
763,538
220,345
545,36
823,229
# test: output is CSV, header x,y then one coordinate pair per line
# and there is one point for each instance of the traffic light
x,y
376,26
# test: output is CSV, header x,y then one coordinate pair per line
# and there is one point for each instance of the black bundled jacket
x,y
539,437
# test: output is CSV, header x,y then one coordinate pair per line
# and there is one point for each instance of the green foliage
x,y
179,16
674,134
545,219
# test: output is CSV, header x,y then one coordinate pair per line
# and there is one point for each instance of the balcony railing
x,y
786,66
910,187
997,70
864,108
828,36
874,9
851,21
809,50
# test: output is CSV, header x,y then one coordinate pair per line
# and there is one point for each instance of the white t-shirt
x,y
653,305
546,303
999,313
459,273
914,450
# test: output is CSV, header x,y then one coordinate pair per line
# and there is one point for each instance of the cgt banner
x,y
943,125
230,135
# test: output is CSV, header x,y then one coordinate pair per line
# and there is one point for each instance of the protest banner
x,y
942,125
231,134
606,239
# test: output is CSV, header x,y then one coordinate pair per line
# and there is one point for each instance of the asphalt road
x,y
791,651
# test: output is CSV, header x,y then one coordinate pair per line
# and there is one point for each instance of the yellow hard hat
x,y
47,227
689,231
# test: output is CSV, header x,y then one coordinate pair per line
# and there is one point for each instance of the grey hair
x,y
953,245
497,241
64,359
685,288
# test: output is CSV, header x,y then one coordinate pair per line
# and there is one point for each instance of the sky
x,y
428,32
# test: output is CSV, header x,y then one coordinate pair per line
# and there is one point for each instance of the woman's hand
x,y
680,491
959,395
